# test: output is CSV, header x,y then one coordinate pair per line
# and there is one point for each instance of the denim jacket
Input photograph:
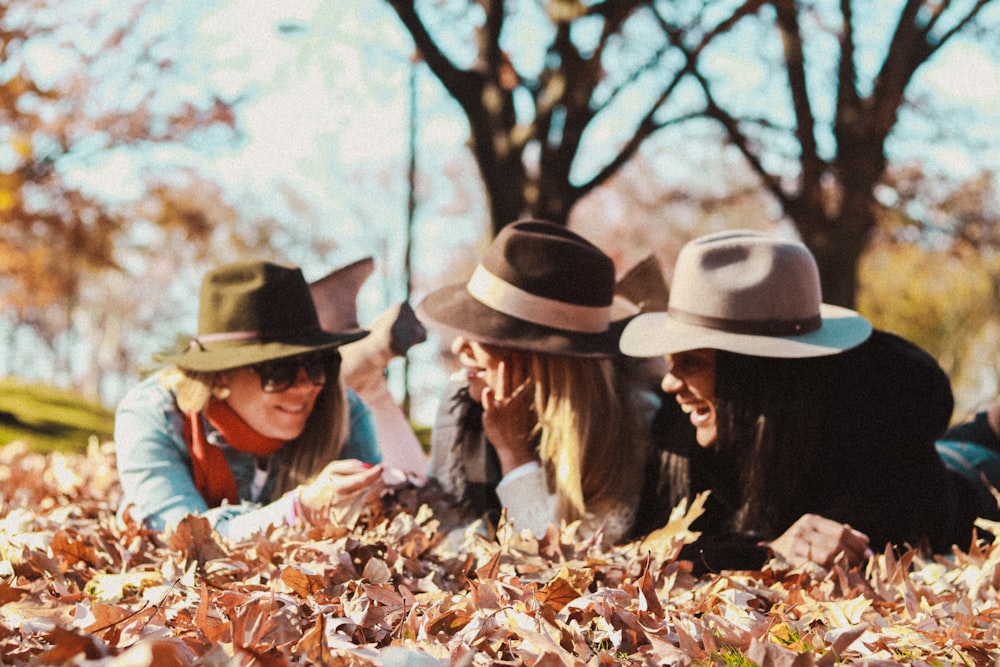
x,y
157,479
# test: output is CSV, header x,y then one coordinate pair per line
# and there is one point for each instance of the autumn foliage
x,y
400,582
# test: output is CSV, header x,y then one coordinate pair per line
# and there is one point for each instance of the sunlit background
x,y
326,103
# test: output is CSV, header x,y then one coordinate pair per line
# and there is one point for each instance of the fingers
x,y
350,484
504,385
347,467
512,382
509,419
512,372
521,393
822,541
339,482
514,413
345,482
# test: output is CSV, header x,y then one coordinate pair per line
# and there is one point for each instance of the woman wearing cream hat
x,y
815,434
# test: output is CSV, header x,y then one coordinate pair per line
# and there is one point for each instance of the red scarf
x,y
212,475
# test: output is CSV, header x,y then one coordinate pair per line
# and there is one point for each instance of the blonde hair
x,y
592,442
299,460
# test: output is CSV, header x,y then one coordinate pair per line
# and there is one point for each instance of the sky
x,y
968,77
296,122
324,90
326,103
339,88
325,100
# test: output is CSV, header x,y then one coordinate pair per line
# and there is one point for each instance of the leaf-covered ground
x,y
403,586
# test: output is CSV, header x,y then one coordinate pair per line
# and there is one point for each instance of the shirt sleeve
x,y
977,431
529,504
154,467
154,470
240,522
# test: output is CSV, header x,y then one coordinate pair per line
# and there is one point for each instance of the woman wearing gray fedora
x,y
542,421
815,434
250,425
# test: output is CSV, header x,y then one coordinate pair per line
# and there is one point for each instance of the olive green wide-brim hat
x,y
251,312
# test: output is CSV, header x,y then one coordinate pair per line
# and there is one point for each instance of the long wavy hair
x,y
591,434
770,415
299,460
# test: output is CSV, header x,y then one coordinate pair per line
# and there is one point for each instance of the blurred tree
x,y
932,275
560,94
78,82
638,212
531,78
832,154
177,230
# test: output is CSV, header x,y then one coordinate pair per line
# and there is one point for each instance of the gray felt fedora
x,y
747,292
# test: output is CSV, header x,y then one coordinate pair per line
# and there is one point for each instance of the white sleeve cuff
x,y
529,504
521,471
247,520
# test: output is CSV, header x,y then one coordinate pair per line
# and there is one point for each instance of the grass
x,y
727,657
49,419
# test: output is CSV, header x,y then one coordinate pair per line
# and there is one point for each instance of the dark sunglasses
x,y
278,376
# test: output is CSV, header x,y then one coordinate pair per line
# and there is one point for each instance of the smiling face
x,y
280,415
691,379
481,363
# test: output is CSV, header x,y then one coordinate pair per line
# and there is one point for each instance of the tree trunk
x,y
838,255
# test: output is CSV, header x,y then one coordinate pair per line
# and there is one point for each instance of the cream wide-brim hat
x,y
747,292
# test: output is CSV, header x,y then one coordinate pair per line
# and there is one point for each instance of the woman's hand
x,y
816,539
509,418
339,485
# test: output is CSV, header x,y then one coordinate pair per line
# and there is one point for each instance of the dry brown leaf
x,y
155,652
491,568
768,653
565,587
68,645
195,538
302,583
666,542
344,596
112,587
10,593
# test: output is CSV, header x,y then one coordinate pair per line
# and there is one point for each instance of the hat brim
x,y
657,334
455,312
227,355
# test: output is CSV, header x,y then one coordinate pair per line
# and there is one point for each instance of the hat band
x,y
495,292
796,327
198,342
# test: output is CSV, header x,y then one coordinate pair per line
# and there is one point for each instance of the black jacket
x,y
887,404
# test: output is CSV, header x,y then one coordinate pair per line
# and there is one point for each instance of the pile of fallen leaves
x,y
399,584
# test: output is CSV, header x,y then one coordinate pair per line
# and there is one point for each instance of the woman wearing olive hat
x,y
542,421
815,434
251,425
